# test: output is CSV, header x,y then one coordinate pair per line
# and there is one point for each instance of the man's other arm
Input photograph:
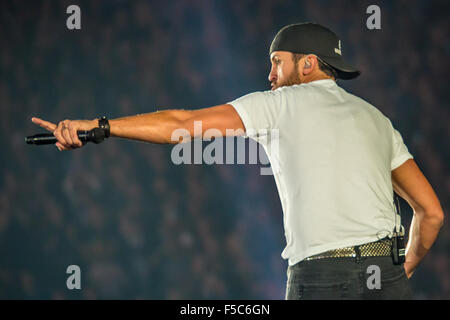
x,y
409,183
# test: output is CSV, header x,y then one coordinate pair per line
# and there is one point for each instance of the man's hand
x,y
66,131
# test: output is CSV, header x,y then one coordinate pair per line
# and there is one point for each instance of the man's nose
x,y
272,75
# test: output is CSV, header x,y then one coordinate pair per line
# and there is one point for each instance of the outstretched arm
x,y
155,127
409,183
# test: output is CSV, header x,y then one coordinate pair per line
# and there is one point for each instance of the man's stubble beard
x,y
292,79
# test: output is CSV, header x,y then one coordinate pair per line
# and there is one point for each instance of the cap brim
x,y
344,70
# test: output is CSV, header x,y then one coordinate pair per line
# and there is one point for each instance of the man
x,y
339,160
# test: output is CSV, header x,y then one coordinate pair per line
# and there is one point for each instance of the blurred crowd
x,y
141,227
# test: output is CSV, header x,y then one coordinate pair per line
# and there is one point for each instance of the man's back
x,y
333,168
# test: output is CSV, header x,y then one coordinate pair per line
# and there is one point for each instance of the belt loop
x,y
358,253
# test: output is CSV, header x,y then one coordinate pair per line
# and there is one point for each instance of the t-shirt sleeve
x,y
258,111
400,151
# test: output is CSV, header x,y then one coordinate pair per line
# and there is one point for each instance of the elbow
x,y
440,218
434,217
437,215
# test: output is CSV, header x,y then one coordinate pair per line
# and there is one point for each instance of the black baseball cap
x,y
312,38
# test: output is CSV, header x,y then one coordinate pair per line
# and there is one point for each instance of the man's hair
x,y
328,70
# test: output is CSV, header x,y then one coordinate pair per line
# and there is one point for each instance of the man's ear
x,y
309,64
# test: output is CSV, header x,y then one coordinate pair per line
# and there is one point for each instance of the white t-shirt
x,y
333,164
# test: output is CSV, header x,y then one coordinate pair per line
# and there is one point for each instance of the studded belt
x,y
380,248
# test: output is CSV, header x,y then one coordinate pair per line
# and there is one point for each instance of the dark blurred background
x,y
141,227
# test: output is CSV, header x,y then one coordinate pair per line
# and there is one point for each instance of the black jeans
x,y
347,278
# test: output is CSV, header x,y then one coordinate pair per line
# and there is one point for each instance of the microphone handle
x,y
96,135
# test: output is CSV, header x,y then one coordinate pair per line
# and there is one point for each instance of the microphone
x,y
96,135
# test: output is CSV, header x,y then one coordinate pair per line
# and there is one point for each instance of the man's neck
x,y
315,77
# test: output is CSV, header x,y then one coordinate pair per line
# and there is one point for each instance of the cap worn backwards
x,y
312,38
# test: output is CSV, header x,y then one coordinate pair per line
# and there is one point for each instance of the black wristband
x,y
103,123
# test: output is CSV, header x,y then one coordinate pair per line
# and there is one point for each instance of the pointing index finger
x,y
44,124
